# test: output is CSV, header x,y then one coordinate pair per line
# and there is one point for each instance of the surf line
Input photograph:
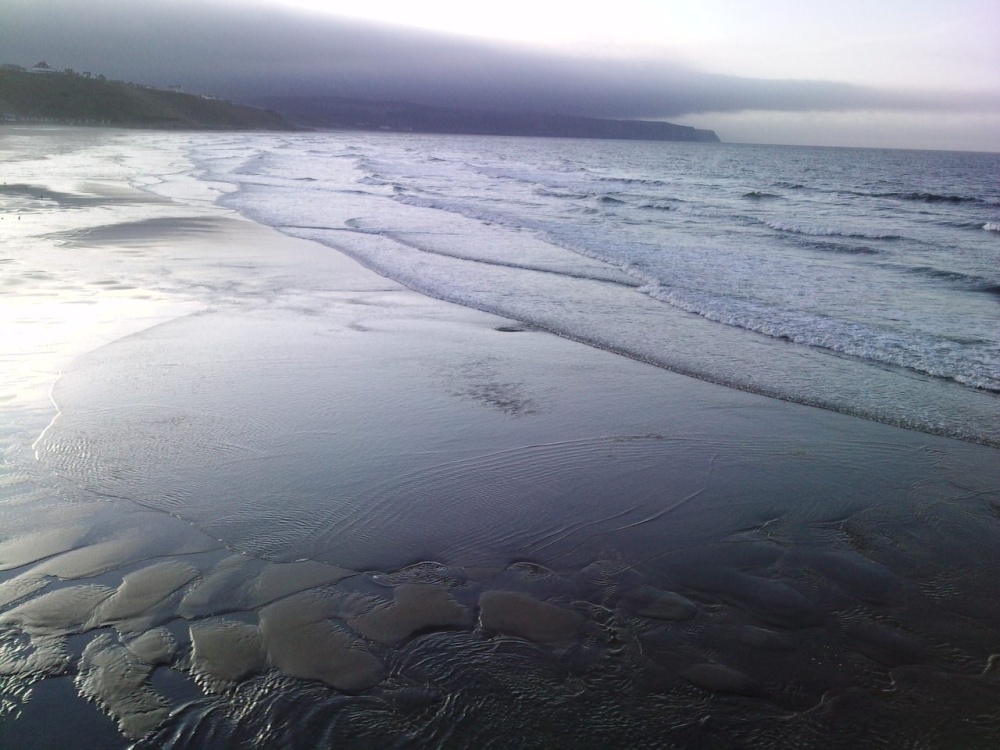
x,y
52,422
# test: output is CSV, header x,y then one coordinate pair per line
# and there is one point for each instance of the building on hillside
x,y
43,67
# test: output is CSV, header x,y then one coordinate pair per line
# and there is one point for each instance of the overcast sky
x,y
913,73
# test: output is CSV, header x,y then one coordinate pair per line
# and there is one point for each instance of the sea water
x,y
268,522
860,280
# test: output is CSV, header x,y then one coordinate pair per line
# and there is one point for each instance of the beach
x,y
256,494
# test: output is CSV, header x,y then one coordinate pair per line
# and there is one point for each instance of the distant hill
x,y
43,95
353,114
73,98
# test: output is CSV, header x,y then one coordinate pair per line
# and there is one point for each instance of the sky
x,y
882,73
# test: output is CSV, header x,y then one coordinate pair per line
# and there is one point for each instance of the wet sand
x,y
323,510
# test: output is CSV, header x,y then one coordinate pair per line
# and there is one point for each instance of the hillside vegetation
x,y
46,96
71,98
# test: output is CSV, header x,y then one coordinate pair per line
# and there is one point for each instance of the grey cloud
x,y
247,50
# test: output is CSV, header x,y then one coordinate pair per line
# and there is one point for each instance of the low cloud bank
x,y
252,50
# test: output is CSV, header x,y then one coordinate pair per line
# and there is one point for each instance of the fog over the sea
x,y
250,50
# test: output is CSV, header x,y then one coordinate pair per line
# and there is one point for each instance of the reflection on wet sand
x,y
635,569
327,512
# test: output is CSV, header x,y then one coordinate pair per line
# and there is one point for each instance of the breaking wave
x,y
820,231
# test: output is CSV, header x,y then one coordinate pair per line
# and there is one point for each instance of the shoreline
x,y
439,249
325,484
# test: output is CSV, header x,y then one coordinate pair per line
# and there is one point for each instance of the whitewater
x,y
255,495
859,280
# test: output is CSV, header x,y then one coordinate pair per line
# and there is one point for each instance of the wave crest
x,y
817,231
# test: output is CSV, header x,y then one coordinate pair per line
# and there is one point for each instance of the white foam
x,y
823,231
941,358
473,221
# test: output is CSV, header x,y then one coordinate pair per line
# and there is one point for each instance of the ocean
x,y
365,440
863,281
